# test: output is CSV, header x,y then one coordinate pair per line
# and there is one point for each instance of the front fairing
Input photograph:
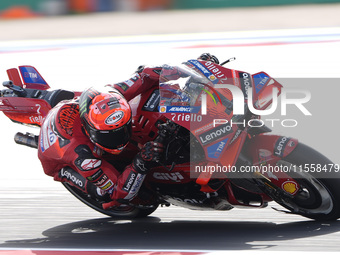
x,y
188,98
203,97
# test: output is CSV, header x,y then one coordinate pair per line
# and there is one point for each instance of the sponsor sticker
x,y
246,83
260,80
123,86
135,186
280,146
129,83
129,181
162,109
152,102
89,164
203,128
114,118
207,73
179,109
106,186
48,137
135,78
101,180
73,177
107,105
215,150
30,75
96,175
215,134
176,176
290,186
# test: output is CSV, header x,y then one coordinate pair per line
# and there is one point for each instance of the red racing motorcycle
x,y
219,154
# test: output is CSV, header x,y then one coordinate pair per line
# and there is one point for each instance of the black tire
x,y
123,212
320,196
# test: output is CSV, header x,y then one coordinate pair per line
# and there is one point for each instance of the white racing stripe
x,y
144,252
238,38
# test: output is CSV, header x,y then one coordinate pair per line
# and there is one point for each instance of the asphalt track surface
x,y
37,213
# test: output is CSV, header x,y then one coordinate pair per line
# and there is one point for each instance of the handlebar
x,y
163,133
27,139
19,91
165,130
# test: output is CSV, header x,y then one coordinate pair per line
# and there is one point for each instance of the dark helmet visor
x,y
111,139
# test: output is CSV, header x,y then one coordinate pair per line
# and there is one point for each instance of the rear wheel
x,y
124,212
319,195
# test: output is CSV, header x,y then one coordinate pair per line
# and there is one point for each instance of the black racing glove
x,y
148,157
209,57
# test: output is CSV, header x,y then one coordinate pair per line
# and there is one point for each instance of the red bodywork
x,y
261,149
30,111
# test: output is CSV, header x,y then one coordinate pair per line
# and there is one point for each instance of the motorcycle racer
x,y
206,164
78,136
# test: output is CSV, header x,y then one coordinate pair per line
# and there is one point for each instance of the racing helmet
x,y
106,118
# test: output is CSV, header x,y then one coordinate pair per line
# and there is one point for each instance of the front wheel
x,y
125,212
319,195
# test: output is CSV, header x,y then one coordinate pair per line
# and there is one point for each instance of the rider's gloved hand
x,y
148,156
209,57
134,174
151,151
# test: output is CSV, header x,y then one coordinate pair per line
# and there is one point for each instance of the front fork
x,y
265,151
258,162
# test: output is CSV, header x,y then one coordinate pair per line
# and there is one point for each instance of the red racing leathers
x,y
68,155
